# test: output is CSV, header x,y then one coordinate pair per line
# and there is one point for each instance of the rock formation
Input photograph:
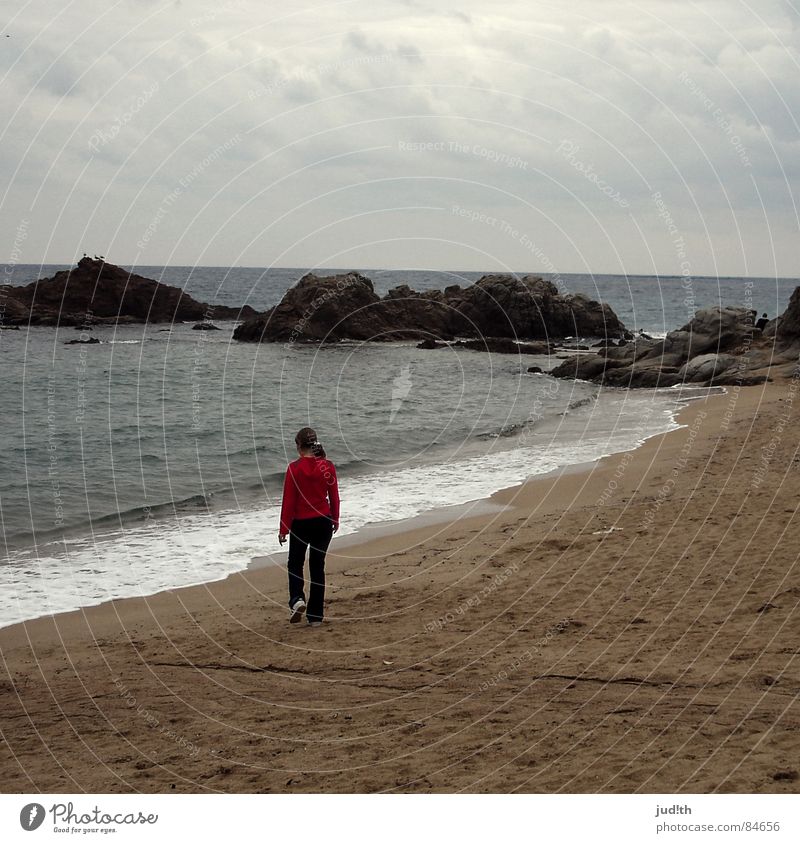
x,y
499,306
96,292
719,346
787,326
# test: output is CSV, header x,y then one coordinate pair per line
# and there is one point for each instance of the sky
x,y
591,136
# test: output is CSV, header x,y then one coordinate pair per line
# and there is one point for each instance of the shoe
x,y
298,609
315,623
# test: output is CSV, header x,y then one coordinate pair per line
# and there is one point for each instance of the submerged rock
x,y
89,341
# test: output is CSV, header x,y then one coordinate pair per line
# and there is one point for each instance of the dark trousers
x,y
314,534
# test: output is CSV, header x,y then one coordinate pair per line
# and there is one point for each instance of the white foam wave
x,y
193,549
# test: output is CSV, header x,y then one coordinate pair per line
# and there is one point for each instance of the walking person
x,y
310,517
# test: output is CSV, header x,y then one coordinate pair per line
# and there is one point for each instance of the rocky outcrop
x,y
787,326
318,309
96,292
712,330
720,346
499,306
704,367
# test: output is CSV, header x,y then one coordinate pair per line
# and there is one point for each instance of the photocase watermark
x,y
183,183
679,244
197,367
52,452
211,16
476,149
305,74
153,722
767,454
475,600
401,388
80,371
526,656
103,136
681,462
622,466
724,121
508,229
322,299
741,362
545,393
67,818
20,236
569,150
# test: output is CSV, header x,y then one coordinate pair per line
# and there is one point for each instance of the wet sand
x,y
630,627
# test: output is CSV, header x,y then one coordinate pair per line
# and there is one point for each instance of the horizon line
x,y
410,269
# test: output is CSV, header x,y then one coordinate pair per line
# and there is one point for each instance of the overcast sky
x,y
589,136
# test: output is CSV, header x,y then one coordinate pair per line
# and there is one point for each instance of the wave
x,y
250,451
579,402
136,514
535,419
506,430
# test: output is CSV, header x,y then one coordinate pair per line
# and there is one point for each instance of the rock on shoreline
x,y
346,307
719,347
96,292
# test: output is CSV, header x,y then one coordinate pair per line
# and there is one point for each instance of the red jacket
x,y
309,490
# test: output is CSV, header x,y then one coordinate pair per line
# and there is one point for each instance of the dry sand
x,y
633,627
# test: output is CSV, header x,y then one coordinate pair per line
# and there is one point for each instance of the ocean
x,y
155,458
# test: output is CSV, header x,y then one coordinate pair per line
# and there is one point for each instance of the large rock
x,y
531,308
787,327
498,306
689,355
99,292
706,366
713,329
630,352
320,310
642,375
586,367
429,314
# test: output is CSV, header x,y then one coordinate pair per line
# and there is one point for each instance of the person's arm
x,y
333,497
288,505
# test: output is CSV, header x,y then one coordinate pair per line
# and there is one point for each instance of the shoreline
x,y
438,515
595,634
379,533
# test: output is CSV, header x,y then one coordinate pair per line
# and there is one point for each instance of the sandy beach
x,y
630,627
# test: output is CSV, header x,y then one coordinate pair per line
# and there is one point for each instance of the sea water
x,y
155,458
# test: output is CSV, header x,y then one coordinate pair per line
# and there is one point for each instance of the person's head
x,y
307,445
764,316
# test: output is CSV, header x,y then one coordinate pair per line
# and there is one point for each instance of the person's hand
x,y
335,526
282,538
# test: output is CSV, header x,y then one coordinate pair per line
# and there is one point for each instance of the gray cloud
x,y
326,104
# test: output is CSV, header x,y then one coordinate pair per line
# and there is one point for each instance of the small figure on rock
x,y
762,322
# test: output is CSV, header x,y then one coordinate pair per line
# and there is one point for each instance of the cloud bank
x,y
650,137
